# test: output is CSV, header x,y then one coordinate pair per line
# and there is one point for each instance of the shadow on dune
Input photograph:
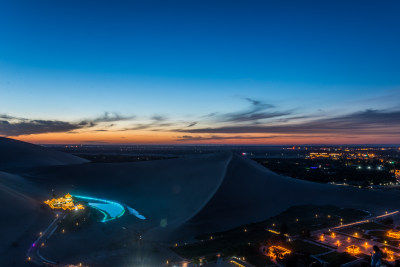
x,y
189,196
180,198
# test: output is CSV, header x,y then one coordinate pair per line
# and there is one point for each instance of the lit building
x,y
389,254
353,249
393,234
64,203
397,174
277,252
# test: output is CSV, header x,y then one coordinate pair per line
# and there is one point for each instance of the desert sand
x,y
180,199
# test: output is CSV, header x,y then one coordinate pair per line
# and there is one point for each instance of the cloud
x,y
156,121
107,117
256,112
365,122
159,118
191,124
26,127
188,138
15,126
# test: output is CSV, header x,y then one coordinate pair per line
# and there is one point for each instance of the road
x,y
33,254
339,240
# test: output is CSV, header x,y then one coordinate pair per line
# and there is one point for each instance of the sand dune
x,y
17,154
252,193
180,198
19,209
172,190
184,197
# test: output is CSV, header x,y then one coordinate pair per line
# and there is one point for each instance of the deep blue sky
x,y
72,60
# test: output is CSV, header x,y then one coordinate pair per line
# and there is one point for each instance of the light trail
x,y
387,214
365,221
350,224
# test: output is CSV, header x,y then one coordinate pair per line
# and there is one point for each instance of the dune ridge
x,y
18,154
251,193
19,208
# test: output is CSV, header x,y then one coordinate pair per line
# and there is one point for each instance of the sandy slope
x,y
252,193
185,197
180,198
166,192
19,210
170,190
16,154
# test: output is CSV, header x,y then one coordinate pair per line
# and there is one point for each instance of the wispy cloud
x,y
258,111
156,121
15,126
191,124
365,122
259,121
25,127
106,117
189,138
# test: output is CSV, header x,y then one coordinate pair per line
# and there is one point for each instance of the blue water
x,y
136,213
110,210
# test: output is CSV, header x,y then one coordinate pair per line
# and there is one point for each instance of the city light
x,y
277,252
322,238
64,203
393,234
353,249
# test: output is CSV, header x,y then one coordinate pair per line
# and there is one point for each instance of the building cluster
x,y
277,252
64,203
395,234
397,174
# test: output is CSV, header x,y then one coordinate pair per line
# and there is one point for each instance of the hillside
x,y
18,154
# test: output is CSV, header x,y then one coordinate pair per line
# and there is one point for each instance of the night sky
x,y
183,72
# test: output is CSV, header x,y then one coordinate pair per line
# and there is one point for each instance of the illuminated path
x,y
33,254
111,210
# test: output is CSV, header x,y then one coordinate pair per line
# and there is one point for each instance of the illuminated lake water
x,y
111,210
